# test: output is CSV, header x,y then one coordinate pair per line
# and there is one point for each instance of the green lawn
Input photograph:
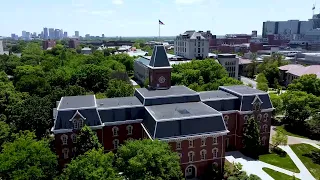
x,y
284,162
301,150
277,175
281,128
136,86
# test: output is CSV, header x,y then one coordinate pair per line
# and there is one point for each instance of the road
x,y
247,81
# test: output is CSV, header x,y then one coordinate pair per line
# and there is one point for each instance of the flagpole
x,y
159,31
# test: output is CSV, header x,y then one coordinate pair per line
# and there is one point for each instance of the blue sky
x,y
140,17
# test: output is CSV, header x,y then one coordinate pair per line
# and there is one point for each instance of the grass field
x,y
277,175
301,150
284,162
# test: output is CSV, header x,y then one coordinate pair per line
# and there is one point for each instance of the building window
x,y
74,138
115,131
180,155
265,128
214,140
115,144
129,129
265,117
246,118
259,117
215,152
65,153
203,154
257,106
190,143
74,150
226,120
191,156
203,142
263,139
64,139
77,123
178,145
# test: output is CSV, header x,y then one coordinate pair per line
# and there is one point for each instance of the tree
x,y
94,165
5,132
147,159
252,67
277,103
262,82
27,158
87,140
279,138
313,125
307,83
119,88
251,137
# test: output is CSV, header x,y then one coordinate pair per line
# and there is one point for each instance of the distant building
x,y
191,45
102,35
48,44
76,34
65,34
293,71
57,34
87,35
74,43
45,33
27,37
1,47
61,34
51,33
231,63
24,34
86,50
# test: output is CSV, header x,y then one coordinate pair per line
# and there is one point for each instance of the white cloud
x,y
188,1
117,2
102,13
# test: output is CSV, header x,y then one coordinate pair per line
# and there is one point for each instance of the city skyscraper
x,y
65,34
23,34
57,33
61,34
27,37
45,33
102,35
76,34
51,33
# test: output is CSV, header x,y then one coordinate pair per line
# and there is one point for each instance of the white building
x,y
191,45
231,63
1,47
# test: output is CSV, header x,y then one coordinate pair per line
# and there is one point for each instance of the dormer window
x,y
77,120
256,104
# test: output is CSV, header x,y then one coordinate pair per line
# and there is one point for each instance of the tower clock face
x,y
162,79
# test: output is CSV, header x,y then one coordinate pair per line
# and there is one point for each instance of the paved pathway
x,y
248,81
252,166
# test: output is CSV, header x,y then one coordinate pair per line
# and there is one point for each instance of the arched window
x,y
263,140
265,128
203,154
74,138
115,144
65,153
78,123
215,152
226,119
203,142
191,156
257,106
64,139
265,117
129,129
178,145
191,143
115,131
214,140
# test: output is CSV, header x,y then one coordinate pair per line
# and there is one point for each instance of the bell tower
x,y
159,69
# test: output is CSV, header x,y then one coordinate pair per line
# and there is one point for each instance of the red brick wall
x,y
155,74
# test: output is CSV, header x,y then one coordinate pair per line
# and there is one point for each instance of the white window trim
x,y
226,119
192,154
64,139
215,154
265,117
259,117
74,138
203,152
203,140
192,144
178,147
129,129
115,143
215,140
265,128
246,118
65,152
115,131
263,139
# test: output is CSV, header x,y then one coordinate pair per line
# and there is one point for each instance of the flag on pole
x,y
314,7
160,22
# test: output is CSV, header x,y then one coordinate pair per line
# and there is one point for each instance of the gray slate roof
x,y
159,57
175,94
76,102
248,100
216,95
241,90
109,103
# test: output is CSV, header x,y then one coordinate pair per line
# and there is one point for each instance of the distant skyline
x,y
140,17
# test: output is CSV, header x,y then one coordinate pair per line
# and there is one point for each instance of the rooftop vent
x,y
183,111
101,104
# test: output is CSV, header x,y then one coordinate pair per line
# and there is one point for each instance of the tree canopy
x,y
147,159
251,138
27,158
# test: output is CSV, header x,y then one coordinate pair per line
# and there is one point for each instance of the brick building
x,y
48,44
200,126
